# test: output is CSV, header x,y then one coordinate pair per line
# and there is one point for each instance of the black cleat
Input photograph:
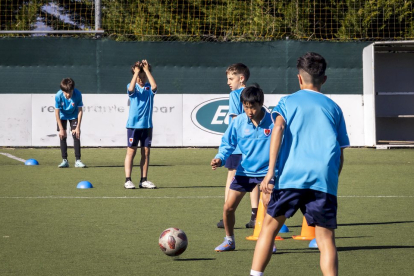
x,y
251,224
220,224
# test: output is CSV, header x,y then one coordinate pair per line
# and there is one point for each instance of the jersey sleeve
x,y
342,137
234,104
57,102
280,109
228,143
132,92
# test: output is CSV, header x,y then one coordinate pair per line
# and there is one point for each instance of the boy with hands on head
x,y
141,91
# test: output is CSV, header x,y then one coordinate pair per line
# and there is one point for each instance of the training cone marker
x,y
259,222
31,162
313,244
307,233
84,185
284,229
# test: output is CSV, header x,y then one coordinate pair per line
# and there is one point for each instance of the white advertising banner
x,y
15,120
104,120
179,119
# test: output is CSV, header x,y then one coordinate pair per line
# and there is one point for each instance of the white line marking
x,y
158,197
12,157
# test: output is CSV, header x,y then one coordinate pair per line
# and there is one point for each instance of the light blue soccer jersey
x,y
314,134
235,108
68,108
254,144
141,106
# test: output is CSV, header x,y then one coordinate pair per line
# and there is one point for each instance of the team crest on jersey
x,y
267,132
131,140
146,88
73,104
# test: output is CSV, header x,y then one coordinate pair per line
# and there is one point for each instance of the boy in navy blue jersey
x,y
68,107
309,161
141,91
251,132
237,76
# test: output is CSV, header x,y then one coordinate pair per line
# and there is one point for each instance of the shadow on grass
x,y
194,259
121,166
375,223
375,247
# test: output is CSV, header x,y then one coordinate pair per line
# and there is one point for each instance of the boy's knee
x,y
228,209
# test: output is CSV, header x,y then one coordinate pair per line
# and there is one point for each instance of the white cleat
x,y
129,185
147,185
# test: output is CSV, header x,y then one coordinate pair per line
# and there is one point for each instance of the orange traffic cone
x,y
307,233
259,222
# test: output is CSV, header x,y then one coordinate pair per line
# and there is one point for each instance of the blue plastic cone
x,y
284,229
84,185
313,244
31,162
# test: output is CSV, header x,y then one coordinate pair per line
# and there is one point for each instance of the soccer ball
x,y
173,241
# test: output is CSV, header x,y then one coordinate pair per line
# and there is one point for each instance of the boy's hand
x,y
144,65
265,187
215,163
137,67
76,132
62,134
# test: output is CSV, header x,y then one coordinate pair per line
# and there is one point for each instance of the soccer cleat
x,y
226,246
251,224
64,164
274,249
129,185
220,224
147,185
79,164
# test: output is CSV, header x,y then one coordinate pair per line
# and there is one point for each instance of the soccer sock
x,y
255,273
254,214
230,238
64,148
77,147
128,179
143,179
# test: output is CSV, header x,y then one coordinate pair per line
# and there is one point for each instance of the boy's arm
x,y
62,132
131,86
228,145
342,159
149,76
275,142
77,130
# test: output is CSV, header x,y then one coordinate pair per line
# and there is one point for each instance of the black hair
x,y
314,64
252,94
140,66
67,85
239,68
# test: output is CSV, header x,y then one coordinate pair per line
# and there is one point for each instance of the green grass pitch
x,y
48,227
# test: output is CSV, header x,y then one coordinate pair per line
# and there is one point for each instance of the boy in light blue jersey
x,y
237,76
68,107
251,132
141,91
307,142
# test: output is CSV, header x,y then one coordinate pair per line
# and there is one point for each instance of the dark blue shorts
x,y
319,208
73,124
233,161
141,135
245,183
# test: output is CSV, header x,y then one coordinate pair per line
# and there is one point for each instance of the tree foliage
x,y
225,20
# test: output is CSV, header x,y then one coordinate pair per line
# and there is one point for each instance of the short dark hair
x,y
137,64
315,65
239,68
67,85
252,94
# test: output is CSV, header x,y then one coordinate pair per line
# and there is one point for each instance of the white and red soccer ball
x,y
173,241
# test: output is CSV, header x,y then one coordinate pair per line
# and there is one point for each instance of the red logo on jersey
x,y
73,104
146,88
131,140
267,131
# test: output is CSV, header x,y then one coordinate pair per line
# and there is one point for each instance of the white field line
x,y
159,197
12,157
